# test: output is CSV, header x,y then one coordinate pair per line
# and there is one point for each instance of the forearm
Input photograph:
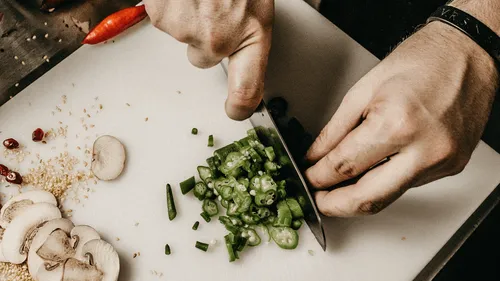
x,y
487,11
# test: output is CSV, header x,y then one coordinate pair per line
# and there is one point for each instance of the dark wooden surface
x,y
379,25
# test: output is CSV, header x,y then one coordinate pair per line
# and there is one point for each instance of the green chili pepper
x,y
295,208
196,225
210,141
210,207
202,246
285,237
270,153
296,224
230,250
172,212
194,131
284,215
205,173
187,185
205,216
167,249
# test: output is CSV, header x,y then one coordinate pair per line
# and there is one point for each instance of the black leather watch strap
x,y
472,27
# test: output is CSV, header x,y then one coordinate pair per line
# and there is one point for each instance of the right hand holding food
x,y
238,29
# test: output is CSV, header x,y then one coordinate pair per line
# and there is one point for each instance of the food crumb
x,y
60,40
128,104
23,63
46,35
146,119
17,85
311,252
136,224
28,39
45,23
16,57
178,92
403,238
117,239
100,106
134,255
138,254
34,37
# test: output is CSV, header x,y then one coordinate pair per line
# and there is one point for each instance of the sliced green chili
x,y
211,141
285,237
210,207
296,224
270,153
230,250
194,131
167,249
284,215
195,225
172,212
295,208
202,246
187,185
200,189
205,216
205,173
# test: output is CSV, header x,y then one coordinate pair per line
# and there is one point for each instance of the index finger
x,y
376,190
246,73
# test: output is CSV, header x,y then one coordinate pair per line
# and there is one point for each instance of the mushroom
x,y
108,158
52,273
16,238
80,235
81,271
104,257
17,204
34,260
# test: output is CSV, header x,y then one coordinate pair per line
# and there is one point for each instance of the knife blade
x,y
268,132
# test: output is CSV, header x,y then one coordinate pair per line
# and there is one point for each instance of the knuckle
x,y
447,152
370,207
345,168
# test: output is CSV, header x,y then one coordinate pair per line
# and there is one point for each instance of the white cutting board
x,y
313,64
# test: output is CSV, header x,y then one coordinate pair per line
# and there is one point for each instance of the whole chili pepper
x,y
114,24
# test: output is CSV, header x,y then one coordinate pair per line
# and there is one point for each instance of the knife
x,y
268,132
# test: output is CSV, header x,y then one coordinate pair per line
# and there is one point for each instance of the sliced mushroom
x,y
75,270
104,257
17,204
14,244
108,158
80,235
57,247
50,273
34,260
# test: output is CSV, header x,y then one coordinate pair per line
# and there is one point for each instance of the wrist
x,y
486,11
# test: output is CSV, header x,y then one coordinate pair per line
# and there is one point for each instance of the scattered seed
x,y
117,239
47,60
16,57
28,39
88,115
136,224
46,35
92,125
146,119
134,255
45,23
84,110
23,63
179,92
311,252
17,85
128,104
100,106
34,37
79,148
403,238
45,57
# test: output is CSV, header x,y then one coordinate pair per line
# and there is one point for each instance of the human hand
x,y
425,107
238,29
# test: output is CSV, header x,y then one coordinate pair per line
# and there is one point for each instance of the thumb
x,y
246,73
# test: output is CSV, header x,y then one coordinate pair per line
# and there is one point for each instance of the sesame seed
x,y
60,40
16,57
34,37
46,35
17,85
23,63
45,23
28,39
146,119
128,104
